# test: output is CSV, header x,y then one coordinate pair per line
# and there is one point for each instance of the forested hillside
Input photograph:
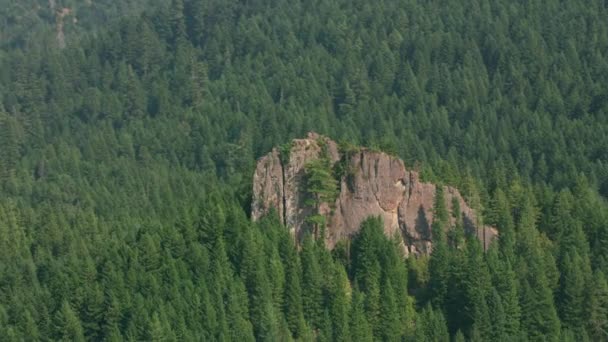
x,y
28,23
126,162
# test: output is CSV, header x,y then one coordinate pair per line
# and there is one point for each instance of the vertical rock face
x,y
375,184
268,186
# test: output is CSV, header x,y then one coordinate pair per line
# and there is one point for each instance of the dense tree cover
x,y
126,161
26,23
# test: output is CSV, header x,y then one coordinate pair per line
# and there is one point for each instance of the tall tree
x,y
598,308
312,293
67,324
359,326
439,262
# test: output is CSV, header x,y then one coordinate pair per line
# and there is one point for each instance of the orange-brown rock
x,y
376,184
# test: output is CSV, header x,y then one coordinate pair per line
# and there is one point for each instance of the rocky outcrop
x,y
59,19
372,184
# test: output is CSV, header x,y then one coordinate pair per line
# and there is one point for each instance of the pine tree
x,y
312,293
439,262
322,187
195,20
339,297
459,337
92,311
67,324
293,308
156,330
178,22
457,234
497,316
539,317
366,269
30,327
360,329
262,312
431,326
348,105
390,326
598,308
477,289
571,298
538,313
9,137
440,210
277,274
237,313
508,290
504,221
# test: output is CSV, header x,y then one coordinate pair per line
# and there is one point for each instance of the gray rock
x,y
377,184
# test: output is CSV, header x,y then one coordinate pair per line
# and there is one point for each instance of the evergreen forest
x,y
127,155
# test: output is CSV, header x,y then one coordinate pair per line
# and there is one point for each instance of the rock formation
x,y
375,184
59,21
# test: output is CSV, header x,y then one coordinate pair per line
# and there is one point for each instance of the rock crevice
x,y
377,184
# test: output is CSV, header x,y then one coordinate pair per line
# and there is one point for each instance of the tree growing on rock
x,y
322,187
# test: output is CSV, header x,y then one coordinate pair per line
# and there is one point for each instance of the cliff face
x,y
376,184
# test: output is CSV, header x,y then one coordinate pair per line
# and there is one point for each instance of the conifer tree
x,y
508,290
360,329
438,264
366,268
431,326
504,221
598,308
240,328
539,317
157,330
390,326
178,21
572,292
293,307
126,162
322,188
9,137
476,290
67,324
312,293
339,294
497,317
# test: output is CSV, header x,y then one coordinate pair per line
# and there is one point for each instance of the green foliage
x,y
320,182
343,170
321,187
284,153
431,326
598,308
439,263
359,326
126,162
67,324
379,271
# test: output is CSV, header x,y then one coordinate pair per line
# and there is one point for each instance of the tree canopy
x,y
126,162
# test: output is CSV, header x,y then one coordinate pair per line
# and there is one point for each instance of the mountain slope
x,y
127,159
26,23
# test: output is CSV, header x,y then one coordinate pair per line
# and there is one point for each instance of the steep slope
x,y
26,23
371,184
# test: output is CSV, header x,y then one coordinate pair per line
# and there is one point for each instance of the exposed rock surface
x,y
59,18
377,184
